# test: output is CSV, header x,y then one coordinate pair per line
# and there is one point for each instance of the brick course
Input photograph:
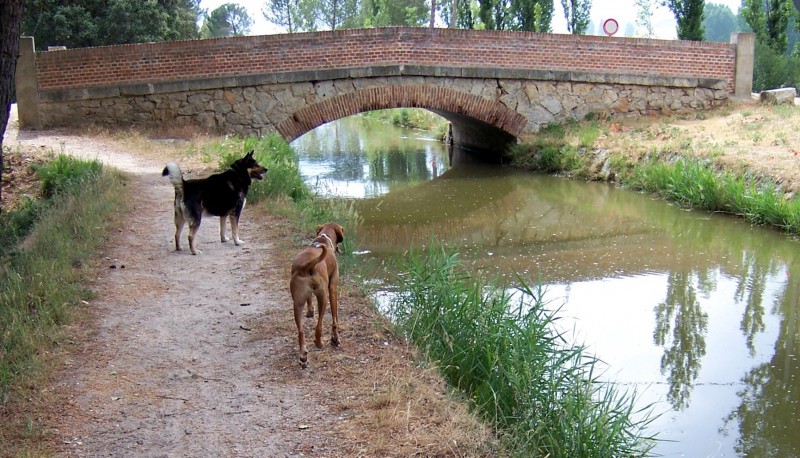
x,y
363,48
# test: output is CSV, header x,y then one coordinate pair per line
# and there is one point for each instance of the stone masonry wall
x,y
515,105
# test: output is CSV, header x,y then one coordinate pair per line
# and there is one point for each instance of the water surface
x,y
696,312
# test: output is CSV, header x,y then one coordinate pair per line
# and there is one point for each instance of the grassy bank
x,y
502,352
670,162
45,248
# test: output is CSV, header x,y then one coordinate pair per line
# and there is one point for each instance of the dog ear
x,y
339,234
319,228
250,154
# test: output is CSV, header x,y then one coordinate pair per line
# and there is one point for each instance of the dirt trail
x,y
173,369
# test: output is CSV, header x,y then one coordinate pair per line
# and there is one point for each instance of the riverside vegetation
x,y
509,365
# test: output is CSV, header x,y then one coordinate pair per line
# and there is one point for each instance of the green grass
x,y
41,280
501,351
695,183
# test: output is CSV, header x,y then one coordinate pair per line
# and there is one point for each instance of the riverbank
x,y
745,138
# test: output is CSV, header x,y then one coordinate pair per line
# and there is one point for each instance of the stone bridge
x,y
493,86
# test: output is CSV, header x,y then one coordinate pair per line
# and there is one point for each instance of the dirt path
x,y
195,355
172,369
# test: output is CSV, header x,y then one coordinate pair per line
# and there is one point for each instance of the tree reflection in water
x,y
685,346
769,414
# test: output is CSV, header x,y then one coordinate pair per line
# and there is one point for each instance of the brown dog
x,y
315,272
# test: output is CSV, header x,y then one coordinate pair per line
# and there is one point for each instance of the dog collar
x,y
317,244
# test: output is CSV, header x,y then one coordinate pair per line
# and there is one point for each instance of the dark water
x,y
697,313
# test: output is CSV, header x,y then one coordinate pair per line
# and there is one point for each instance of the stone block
x,y
779,96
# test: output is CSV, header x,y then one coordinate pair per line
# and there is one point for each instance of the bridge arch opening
x,y
478,125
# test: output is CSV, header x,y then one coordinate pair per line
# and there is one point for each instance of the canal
x,y
697,313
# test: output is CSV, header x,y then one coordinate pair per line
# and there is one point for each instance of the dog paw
x,y
223,239
304,361
238,242
335,341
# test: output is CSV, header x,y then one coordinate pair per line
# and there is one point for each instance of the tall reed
x,y
502,351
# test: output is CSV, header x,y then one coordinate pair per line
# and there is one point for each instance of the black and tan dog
x,y
315,273
222,194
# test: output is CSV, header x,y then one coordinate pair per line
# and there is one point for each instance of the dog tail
x,y
174,173
310,264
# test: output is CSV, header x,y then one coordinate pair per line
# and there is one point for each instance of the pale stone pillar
x,y
27,87
745,53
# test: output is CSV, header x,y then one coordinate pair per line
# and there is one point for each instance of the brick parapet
x,y
451,49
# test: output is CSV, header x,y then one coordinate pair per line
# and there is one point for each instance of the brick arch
x,y
439,99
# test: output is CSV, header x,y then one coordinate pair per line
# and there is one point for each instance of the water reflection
x,y
685,346
356,157
697,311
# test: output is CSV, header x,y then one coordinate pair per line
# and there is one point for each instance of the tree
x,y
644,18
494,14
719,22
458,13
293,15
82,23
337,14
769,20
229,20
533,15
384,13
689,15
577,14
10,30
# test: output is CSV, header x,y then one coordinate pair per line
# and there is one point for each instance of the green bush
x,y
773,70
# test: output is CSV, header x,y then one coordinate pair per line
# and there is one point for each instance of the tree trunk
x,y
433,11
10,29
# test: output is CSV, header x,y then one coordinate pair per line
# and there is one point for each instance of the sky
x,y
623,11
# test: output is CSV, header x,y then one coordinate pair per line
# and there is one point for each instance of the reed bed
x,y
694,183
500,349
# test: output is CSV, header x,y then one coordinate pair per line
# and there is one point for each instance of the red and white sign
x,y
610,27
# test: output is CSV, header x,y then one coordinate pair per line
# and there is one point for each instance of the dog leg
x,y
193,228
334,295
235,229
179,222
321,302
301,338
222,237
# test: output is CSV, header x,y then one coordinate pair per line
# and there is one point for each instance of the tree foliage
x,y
82,23
689,16
577,13
229,20
459,13
11,12
719,22
644,18
383,13
292,15
771,21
